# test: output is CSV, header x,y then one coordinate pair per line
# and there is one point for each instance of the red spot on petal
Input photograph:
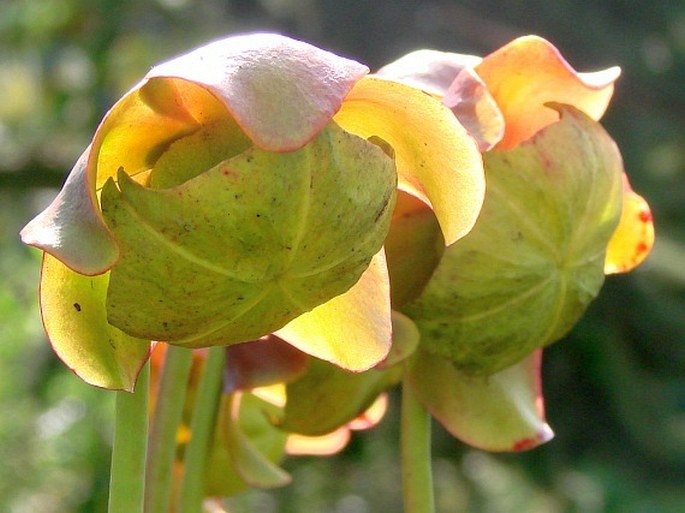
x,y
525,444
642,248
645,216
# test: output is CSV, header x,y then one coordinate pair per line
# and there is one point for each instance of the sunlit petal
x,y
352,330
633,239
437,160
75,319
527,73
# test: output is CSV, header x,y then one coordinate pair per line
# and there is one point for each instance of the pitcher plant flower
x,y
559,214
242,189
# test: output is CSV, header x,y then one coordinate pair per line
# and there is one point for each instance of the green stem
x,y
127,482
201,432
417,474
170,396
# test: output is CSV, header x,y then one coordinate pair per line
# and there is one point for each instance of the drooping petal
x,y
471,102
535,259
240,250
432,71
529,72
74,316
72,229
352,330
327,397
282,92
501,412
413,248
242,433
246,448
405,340
633,239
437,160
334,442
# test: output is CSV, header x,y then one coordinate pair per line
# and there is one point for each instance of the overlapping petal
x,y
437,161
529,72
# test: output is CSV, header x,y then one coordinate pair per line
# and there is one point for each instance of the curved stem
x,y
170,398
127,481
201,432
417,474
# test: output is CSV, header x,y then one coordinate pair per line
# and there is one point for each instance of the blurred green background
x,y
615,388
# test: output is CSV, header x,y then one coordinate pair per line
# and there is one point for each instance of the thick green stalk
x,y
201,432
127,478
417,474
170,396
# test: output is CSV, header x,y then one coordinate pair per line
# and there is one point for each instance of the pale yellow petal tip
x,y
633,239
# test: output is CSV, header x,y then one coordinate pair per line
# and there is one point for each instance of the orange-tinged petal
x,y
352,330
437,161
282,92
527,73
634,237
141,126
75,319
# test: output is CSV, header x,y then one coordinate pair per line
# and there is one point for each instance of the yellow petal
x,y
437,161
75,319
634,237
527,73
352,330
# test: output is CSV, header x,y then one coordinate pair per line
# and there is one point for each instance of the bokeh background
x,y
615,387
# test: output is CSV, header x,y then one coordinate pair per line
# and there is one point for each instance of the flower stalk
x,y
129,451
168,409
417,473
202,424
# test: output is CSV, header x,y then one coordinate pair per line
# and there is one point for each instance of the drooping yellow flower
x,y
240,189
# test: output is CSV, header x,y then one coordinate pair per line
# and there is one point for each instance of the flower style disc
x,y
238,251
535,258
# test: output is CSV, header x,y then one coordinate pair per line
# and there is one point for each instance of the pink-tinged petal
x,y
501,412
527,73
633,239
475,108
72,229
437,160
264,362
352,330
75,319
432,71
282,92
